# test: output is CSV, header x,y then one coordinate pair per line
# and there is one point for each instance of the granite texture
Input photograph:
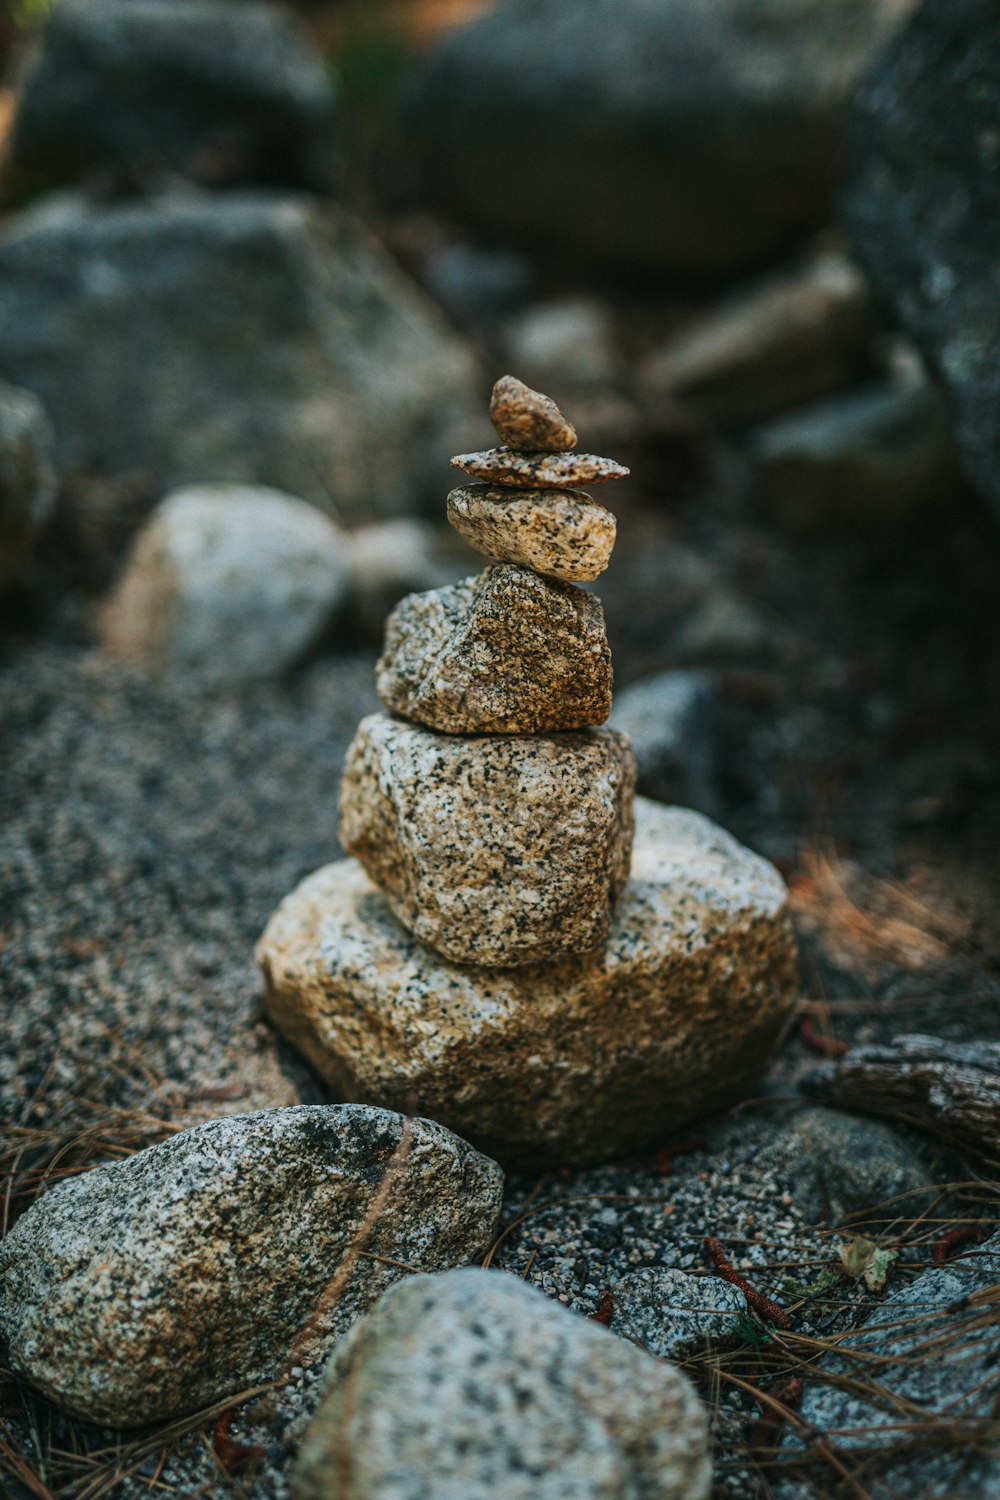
x,y
227,583
582,1060
159,1284
675,1315
472,1385
560,533
556,471
527,419
500,851
506,652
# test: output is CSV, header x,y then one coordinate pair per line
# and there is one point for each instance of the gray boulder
x,y
923,207
472,1384
841,1165
27,477
671,721
257,339
194,1269
218,92
691,136
227,584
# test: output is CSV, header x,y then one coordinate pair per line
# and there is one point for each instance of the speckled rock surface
x,y
560,533
557,471
227,583
27,477
159,1284
506,652
501,851
528,419
842,1164
470,1384
584,1060
675,1315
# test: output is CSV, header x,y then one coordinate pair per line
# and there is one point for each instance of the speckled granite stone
x,y
675,1315
541,471
560,533
472,1385
157,1285
528,420
493,850
583,1060
506,652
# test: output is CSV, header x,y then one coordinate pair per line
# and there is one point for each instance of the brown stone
x,y
526,419
505,653
560,533
539,471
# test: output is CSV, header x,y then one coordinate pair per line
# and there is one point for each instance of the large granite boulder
x,y
258,339
691,136
197,1267
586,1059
923,207
218,92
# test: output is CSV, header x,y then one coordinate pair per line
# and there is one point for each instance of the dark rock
x,y
27,477
932,1347
692,136
923,207
671,721
137,88
156,1285
259,340
675,1315
843,1164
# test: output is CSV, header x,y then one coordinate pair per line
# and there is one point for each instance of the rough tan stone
x,y
506,652
528,420
494,850
540,471
560,533
582,1060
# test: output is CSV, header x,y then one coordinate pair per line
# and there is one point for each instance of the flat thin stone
x,y
584,1060
527,420
539,471
560,533
507,652
494,850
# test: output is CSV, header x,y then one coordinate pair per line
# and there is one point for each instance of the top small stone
x,y
527,420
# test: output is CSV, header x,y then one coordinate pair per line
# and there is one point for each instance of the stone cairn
x,y
484,958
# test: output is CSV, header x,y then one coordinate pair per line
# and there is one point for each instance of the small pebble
x,y
540,471
525,419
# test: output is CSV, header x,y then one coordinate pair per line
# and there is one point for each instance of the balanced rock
x,y
472,1384
27,477
555,471
675,1315
581,1060
493,850
227,583
153,1286
527,419
507,652
560,533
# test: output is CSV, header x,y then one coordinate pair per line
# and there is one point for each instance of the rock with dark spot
x,y
500,850
472,1384
560,533
142,1290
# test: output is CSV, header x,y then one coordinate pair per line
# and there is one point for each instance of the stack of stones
x,y
484,959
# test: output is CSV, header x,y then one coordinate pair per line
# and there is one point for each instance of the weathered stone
x,y
505,653
699,137
560,533
675,1315
933,1349
923,209
876,457
151,1287
27,477
390,559
267,342
198,88
501,851
225,584
775,345
843,1165
671,722
582,1060
556,471
527,419
472,1384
